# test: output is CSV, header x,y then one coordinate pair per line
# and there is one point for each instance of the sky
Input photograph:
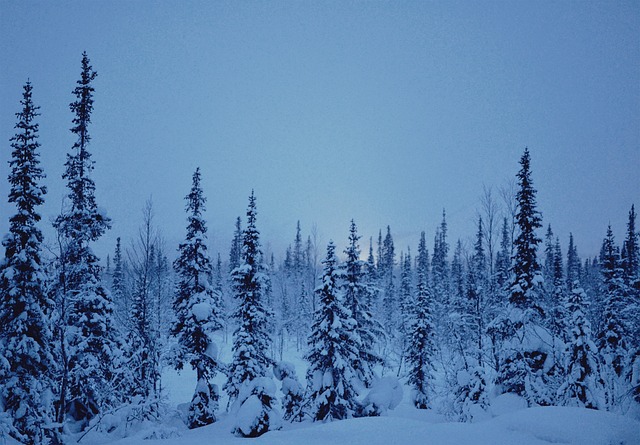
x,y
386,112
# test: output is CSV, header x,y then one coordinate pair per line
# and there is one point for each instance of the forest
x,y
84,341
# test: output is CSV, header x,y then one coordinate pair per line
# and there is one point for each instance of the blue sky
x,y
385,112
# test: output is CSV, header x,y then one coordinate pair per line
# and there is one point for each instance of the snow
x,y
385,394
202,311
509,422
532,426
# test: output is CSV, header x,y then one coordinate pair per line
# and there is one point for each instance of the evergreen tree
x,y
292,390
573,264
441,282
354,290
524,295
477,286
631,260
89,309
582,382
439,264
422,350
118,284
631,267
235,253
613,336
25,335
251,340
385,270
197,309
522,371
406,300
558,316
503,258
471,388
143,338
333,347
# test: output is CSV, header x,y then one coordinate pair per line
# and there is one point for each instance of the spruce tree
x,y
421,351
333,347
582,384
354,289
251,339
612,339
522,371
524,295
25,333
573,264
144,336
631,269
235,252
406,302
386,274
89,309
197,309
503,257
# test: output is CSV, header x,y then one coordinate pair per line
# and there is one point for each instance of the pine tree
x,y
197,309
354,289
386,269
118,284
522,371
235,252
573,264
89,307
421,351
143,338
503,258
613,336
406,300
441,282
471,388
631,260
26,360
333,346
525,265
631,267
292,401
477,286
582,381
439,265
251,340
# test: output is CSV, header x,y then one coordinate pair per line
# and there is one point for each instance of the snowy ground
x,y
509,423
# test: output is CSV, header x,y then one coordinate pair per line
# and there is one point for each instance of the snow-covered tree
x,y
26,360
197,309
631,276
503,257
90,338
405,297
614,334
235,253
292,391
390,312
440,276
523,365
421,351
333,347
143,337
573,264
251,339
582,384
471,393
354,291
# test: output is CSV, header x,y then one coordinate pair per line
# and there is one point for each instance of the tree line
x,y
512,314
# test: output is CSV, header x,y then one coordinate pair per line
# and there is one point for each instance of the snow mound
x,y
385,394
